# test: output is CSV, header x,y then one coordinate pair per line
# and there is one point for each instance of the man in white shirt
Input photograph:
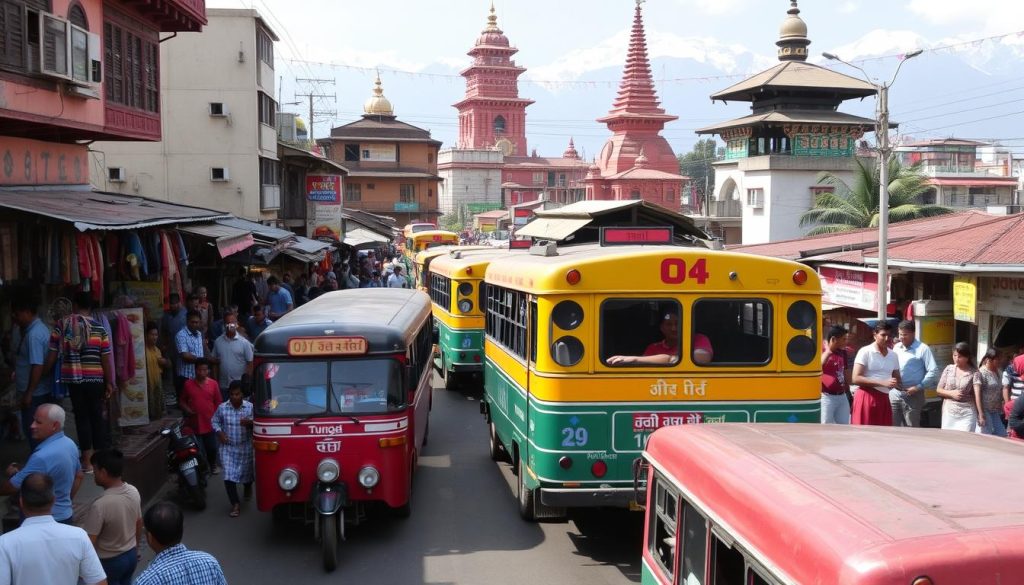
x,y
396,280
42,550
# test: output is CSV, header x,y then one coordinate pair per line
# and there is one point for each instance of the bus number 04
x,y
673,270
574,437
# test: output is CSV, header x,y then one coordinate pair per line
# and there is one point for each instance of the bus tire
x,y
526,497
495,450
329,541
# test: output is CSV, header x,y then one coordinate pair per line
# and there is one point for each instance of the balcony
x,y
173,15
728,209
388,207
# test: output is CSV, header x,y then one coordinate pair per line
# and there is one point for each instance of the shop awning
x,y
554,228
228,240
260,232
364,238
98,210
307,250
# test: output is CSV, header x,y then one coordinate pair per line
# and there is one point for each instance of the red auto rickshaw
x,y
342,396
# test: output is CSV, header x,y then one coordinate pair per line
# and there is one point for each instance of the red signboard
x,y
635,235
33,162
323,188
848,287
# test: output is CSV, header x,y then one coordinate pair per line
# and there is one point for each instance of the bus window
x,y
366,386
728,564
292,388
441,291
695,544
640,332
755,578
738,331
662,540
507,319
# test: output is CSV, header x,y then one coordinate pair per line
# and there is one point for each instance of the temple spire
x,y
570,151
793,39
636,90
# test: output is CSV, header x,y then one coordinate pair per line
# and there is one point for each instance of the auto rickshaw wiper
x,y
308,417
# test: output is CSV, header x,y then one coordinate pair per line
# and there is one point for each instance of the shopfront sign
x,y
407,207
965,298
133,392
34,162
849,287
1003,295
323,188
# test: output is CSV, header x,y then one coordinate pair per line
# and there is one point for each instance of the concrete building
x,y
219,144
636,162
775,155
964,173
470,177
392,165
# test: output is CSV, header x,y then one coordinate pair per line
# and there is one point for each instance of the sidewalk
x,y
144,462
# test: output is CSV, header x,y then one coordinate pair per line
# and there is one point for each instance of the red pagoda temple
x,y
636,162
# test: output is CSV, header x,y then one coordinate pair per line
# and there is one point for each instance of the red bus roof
x,y
852,504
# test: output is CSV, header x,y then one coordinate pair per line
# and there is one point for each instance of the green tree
x,y
855,205
697,164
450,222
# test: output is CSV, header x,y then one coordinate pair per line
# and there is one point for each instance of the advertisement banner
x,y
1004,295
323,188
324,221
849,287
134,396
141,293
938,334
965,298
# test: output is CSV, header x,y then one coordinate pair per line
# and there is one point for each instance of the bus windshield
x,y
363,386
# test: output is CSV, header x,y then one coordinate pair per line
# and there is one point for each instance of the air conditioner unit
x,y
218,109
219,174
116,174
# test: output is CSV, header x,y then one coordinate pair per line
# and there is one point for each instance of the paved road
x,y
464,528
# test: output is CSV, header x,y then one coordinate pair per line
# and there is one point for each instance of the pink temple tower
x,y
492,113
636,162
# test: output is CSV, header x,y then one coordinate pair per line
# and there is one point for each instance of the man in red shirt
x,y
835,385
666,351
200,399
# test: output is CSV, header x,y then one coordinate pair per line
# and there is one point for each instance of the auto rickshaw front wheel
x,y
329,541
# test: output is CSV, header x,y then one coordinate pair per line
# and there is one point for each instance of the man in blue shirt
x,y
918,371
279,300
33,384
174,564
190,346
56,456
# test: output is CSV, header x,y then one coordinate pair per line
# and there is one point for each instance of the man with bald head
x,y
55,455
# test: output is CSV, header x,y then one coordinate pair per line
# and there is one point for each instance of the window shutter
x,y
12,34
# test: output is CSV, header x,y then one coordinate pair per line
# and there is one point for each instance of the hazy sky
x,y
570,40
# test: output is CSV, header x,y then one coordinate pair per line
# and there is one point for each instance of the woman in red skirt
x,y
876,370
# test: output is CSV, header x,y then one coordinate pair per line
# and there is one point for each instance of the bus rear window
x,y
640,332
342,386
732,332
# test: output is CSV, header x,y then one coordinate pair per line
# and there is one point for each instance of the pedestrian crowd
x,y
887,381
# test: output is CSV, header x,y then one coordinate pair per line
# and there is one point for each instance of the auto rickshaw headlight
x,y
288,479
328,471
369,476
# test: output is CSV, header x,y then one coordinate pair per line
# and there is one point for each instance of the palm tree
x,y
853,206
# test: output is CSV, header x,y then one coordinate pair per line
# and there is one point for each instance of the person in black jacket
x,y
1015,418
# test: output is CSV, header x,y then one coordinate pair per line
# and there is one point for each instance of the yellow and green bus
x,y
419,241
456,289
581,363
421,262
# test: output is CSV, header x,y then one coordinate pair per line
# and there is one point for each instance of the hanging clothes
x,y
84,265
180,249
124,349
65,258
133,245
76,278
151,242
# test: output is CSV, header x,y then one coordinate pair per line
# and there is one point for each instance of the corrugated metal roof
x,y
811,247
562,222
98,210
229,240
995,242
796,74
264,232
554,228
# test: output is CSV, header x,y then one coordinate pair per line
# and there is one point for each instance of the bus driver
x,y
666,351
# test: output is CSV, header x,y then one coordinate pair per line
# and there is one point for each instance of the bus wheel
x,y
449,377
329,541
525,496
496,451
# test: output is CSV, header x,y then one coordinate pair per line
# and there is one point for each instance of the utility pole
x,y
313,93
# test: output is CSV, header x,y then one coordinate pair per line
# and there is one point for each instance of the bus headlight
x,y
465,305
369,476
288,479
328,471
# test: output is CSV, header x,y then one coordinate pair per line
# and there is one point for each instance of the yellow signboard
x,y
965,298
310,346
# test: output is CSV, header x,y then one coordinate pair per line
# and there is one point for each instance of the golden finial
x,y
492,19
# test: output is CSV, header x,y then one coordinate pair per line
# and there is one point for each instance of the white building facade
x,y
219,147
469,176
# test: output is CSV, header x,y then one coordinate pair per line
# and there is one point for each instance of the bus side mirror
x,y
641,469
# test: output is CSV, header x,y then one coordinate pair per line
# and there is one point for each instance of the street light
x,y
884,151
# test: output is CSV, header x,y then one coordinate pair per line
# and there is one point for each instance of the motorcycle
x,y
185,460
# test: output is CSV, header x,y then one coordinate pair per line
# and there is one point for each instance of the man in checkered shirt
x,y
174,564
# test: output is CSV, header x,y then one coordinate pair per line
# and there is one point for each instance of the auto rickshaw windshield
x,y
354,386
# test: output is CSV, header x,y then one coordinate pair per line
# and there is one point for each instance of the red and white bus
x,y
759,504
